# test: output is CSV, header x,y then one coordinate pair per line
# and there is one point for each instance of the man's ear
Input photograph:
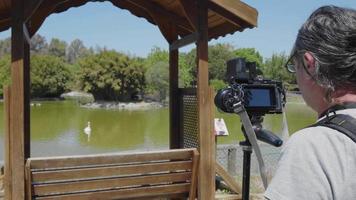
x,y
309,62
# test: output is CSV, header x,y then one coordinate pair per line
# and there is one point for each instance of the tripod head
x,y
262,134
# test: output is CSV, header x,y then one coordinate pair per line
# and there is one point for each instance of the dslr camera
x,y
259,96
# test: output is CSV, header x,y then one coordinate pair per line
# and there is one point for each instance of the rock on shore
x,y
123,106
81,97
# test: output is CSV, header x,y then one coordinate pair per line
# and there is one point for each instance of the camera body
x,y
259,96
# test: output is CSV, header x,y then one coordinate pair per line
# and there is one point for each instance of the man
x,y
319,163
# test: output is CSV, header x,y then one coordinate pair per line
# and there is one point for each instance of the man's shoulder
x,y
310,134
316,139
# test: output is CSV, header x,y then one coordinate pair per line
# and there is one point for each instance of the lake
x,y
57,128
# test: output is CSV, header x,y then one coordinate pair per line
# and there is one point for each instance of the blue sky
x,y
101,24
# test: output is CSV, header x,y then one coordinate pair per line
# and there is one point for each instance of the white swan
x,y
87,130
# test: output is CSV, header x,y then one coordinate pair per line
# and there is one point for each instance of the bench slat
x,y
74,161
105,184
98,172
153,191
169,173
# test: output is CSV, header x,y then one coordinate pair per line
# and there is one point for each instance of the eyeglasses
x,y
290,66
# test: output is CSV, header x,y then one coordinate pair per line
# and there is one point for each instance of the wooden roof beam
x,y
30,8
4,15
189,39
190,9
217,30
129,6
26,34
3,24
167,28
151,7
163,24
43,11
235,12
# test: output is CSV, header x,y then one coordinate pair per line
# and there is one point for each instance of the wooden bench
x,y
171,173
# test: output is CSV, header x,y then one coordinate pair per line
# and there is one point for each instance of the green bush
x,y
4,72
217,84
110,75
49,76
157,77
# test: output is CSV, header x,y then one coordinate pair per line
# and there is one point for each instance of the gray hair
x,y
329,35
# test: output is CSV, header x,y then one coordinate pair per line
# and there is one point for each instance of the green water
x,y
57,128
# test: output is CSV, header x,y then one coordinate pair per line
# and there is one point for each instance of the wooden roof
x,y
224,16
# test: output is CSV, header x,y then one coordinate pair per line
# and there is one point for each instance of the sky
x,y
104,25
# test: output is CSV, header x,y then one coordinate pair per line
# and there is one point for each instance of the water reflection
x,y
57,128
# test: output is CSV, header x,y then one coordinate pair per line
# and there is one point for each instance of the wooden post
x,y
173,92
173,100
205,109
7,164
19,123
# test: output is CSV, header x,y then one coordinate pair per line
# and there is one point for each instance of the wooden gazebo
x,y
181,22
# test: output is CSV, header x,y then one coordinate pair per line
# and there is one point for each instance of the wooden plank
x,y
102,159
189,39
229,180
190,11
91,173
111,183
215,20
7,141
236,12
146,192
222,28
206,136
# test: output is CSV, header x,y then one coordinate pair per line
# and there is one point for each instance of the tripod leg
x,y
246,172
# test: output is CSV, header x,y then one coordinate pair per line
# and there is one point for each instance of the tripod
x,y
261,134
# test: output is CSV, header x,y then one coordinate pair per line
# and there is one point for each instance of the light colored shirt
x,y
317,163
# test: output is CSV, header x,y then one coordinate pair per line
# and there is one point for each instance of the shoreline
x,y
123,106
135,105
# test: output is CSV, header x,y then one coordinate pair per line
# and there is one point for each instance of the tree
x,y
185,72
49,76
218,55
4,72
155,56
160,57
57,48
157,77
5,47
274,69
39,44
110,75
76,50
251,55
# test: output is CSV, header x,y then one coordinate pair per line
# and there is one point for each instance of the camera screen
x,y
258,97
